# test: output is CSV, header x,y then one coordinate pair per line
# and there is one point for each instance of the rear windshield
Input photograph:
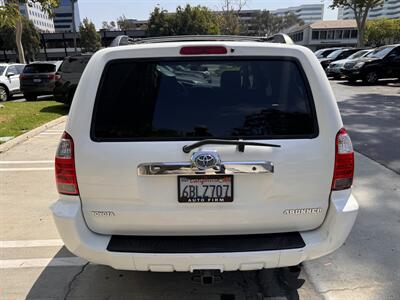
x,y
40,68
231,99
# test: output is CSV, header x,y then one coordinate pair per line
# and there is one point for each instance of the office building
x,y
136,24
323,34
41,19
309,13
389,9
56,46
63,16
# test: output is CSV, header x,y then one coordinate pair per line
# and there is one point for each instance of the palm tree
x,y
11,16
73,24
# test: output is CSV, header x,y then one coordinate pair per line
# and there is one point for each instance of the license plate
x,y
37,80
205,189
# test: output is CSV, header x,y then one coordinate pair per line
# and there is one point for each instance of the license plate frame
x,y
37,80
227,196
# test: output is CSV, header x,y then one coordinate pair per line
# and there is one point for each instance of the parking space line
x,y
17,162
41,262
25,169
30,243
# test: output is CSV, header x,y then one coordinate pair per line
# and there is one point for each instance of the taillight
x,y
344,162
203,50
22,77
65,166
51,76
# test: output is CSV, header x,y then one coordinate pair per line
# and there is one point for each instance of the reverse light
x,y
344,162
65,166
203,50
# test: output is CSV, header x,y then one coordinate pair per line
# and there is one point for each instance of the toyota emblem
x,y
204,160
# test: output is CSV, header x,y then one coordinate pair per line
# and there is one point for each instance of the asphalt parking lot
x,y
34,264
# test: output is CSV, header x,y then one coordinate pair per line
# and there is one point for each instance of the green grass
x,y
19,117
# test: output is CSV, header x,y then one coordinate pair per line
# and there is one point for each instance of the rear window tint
x,y
231,99
40,68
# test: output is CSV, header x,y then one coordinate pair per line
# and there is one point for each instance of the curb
x,y
23,137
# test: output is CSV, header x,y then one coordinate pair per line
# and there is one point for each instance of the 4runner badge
x,y
302,211
204,160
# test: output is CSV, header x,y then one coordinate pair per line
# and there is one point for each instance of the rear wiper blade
x,y
240,143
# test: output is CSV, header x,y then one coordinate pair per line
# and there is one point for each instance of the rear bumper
x,y
352,73
93,247
39,89
333,71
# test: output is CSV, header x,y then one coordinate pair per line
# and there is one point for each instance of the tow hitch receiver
x,y
207,277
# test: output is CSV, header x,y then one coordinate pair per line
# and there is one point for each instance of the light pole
x,y
73,24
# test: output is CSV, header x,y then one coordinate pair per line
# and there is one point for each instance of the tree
x,y
109,25
90,39
128,24
185,21
194,20
30,39
264,23
229,20
10,16
360,9
160,23
290,20
382,31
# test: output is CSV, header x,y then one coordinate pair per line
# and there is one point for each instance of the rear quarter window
x,y
193,99
74,65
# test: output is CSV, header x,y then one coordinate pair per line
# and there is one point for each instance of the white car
x,y
9,80
252,169
335,68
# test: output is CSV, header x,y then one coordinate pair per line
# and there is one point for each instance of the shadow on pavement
x,y
367,265
384,82
101,282
373,121
57,108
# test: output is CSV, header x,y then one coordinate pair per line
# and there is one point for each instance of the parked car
x,y
38,79
337,55
9,80
334,68
251,170
383,62
69,74
322,53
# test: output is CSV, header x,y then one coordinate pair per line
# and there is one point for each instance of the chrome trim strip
x,y
186,168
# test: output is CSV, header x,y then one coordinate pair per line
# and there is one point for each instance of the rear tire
x,y
371,78
4,95
30,97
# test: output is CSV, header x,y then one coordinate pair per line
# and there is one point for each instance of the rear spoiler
x,y
123,40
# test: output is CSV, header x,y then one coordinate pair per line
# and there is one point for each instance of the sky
x,y
109,10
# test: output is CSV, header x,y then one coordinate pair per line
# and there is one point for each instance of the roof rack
x,y
126,40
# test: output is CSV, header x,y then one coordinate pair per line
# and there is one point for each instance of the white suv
x,y
9,80
162,168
